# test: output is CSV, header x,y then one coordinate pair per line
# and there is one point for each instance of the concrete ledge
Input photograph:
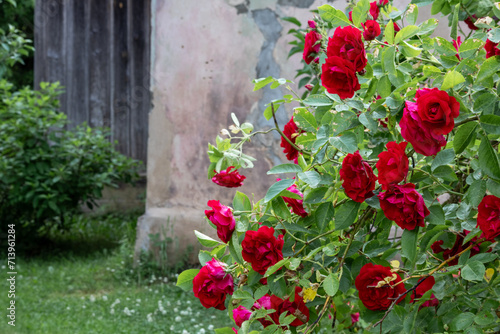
x,y
175,227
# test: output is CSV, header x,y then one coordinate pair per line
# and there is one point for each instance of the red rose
x,y
458,247
222,217
358,177
404,205
374,10
262,249
228,179
291,131
470,22
312,45
378,287
297,308
212,284
371,30
265,303
396,28
240,314
456,44
392,165
339,77
311,24
488,218
350,16
491,49
437,110
383,2
346,43
355,317
423,140
421,289
296,205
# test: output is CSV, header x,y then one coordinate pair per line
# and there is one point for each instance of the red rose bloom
x,y
291,131
265,303
262,249
371,30
297,308
339,77
378,287
296,205
212,284
404,205
228,179
392,165
491,49
374,10
358,177
347,44
222,217
437,110
423,140
456,44
421,289
312,45
457,248
470,22
383,2
240,314
488,218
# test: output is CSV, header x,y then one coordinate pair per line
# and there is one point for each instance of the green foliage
x,y
45,170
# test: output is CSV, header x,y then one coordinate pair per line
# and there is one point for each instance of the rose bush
x,y
386,217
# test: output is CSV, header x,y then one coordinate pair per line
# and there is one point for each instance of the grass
x,y
73,287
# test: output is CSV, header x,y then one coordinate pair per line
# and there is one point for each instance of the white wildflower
x,y
178,319
127,311
150,317
92,298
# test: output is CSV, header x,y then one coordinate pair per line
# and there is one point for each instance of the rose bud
x,y
309,87
456,44
358,177
488,219
212,284
222,217
378,286
371,30
404,205
261,249
311,24
228,179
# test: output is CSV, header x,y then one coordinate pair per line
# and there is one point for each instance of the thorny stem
x,y
467,120
319,317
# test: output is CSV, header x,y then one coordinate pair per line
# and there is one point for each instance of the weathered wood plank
x,y
99,63
140,78
121,77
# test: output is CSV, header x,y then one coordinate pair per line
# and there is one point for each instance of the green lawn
x,y
99,292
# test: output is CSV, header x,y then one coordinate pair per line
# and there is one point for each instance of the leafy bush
x,y
45,170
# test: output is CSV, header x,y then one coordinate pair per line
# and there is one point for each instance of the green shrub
x,y
45,170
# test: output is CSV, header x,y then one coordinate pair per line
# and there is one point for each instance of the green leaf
x,y
291,20
346,215
437,5
491,123
280,208
185,279
272,269
261,291
494,35
473,271
389,32
469,48
431,236
242,294
318,100
454,22
241,202
488,68
324,214
224,330
410,50
235,248
388,61
331,284
285,168
465,134
427,27
305,120
367,120
451,79
360,12
347,143
488,159
476,192
493,187
205,240
333,15
311,177
409,244
406,33
261,83
384,86
277,188
484,257
444,157
412,13
436,216
315,195
462,321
